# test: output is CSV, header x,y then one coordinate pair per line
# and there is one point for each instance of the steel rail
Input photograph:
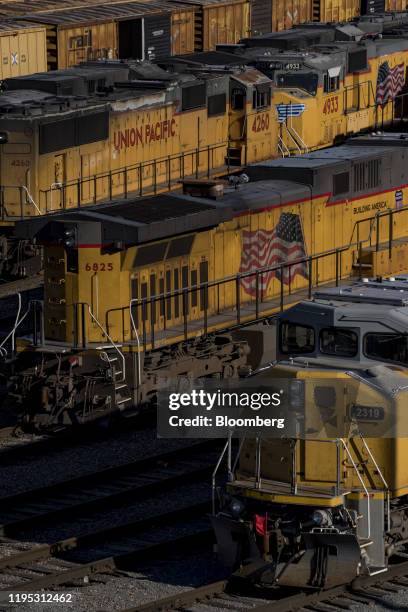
x,y
117,562
353,593
183,599
60,507
136,526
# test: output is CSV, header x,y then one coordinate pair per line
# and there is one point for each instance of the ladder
x,y
123,396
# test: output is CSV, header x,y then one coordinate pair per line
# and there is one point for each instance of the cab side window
x,y
261,97
237,99
338,342
331,83
387,347
295,339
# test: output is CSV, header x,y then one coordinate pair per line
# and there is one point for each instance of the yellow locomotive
x,y
146,280
332,80
326,506
99,131
132,129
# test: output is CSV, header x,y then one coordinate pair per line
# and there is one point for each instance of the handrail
x,y
139,168
104,331
363,486
3,351
377,467
359,88
139,369
305,148
214,474
204,288
18,321
256,276
30,198
293,138
304,145
379,214
283,149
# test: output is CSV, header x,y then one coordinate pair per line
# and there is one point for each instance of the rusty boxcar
x,y
138,29
123,30
219,20
277,15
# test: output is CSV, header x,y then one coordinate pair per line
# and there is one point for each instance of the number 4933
x,y
331,105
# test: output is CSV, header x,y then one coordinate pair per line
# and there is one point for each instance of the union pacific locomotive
x,y
146,289
332,80
131,129
100,131
321,509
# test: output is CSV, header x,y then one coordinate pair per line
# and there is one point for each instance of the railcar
x,y
22,48
319,510
233,123
100,131
82,31
130,285
332,80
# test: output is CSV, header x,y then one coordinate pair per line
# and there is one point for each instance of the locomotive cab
x,y
321,508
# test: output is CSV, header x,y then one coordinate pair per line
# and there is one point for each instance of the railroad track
x,y
111,547
24,446
363,591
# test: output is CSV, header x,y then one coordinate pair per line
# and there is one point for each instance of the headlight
x,y
297,395
236,507
321,518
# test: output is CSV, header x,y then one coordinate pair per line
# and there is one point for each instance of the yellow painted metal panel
x,y
86,42
182,32
225,23
23,51
288,13
339,10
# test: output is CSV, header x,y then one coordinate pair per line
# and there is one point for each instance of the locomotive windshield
x,y
297,338
387,347
302,80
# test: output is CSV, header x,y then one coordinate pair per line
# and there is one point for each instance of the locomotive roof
x,y
101,12
91,84
206,58
372,311
366,293
327,157
303,36
129,222
380,139
18,7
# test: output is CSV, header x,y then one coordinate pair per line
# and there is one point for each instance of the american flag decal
x,y
266,249
390,81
